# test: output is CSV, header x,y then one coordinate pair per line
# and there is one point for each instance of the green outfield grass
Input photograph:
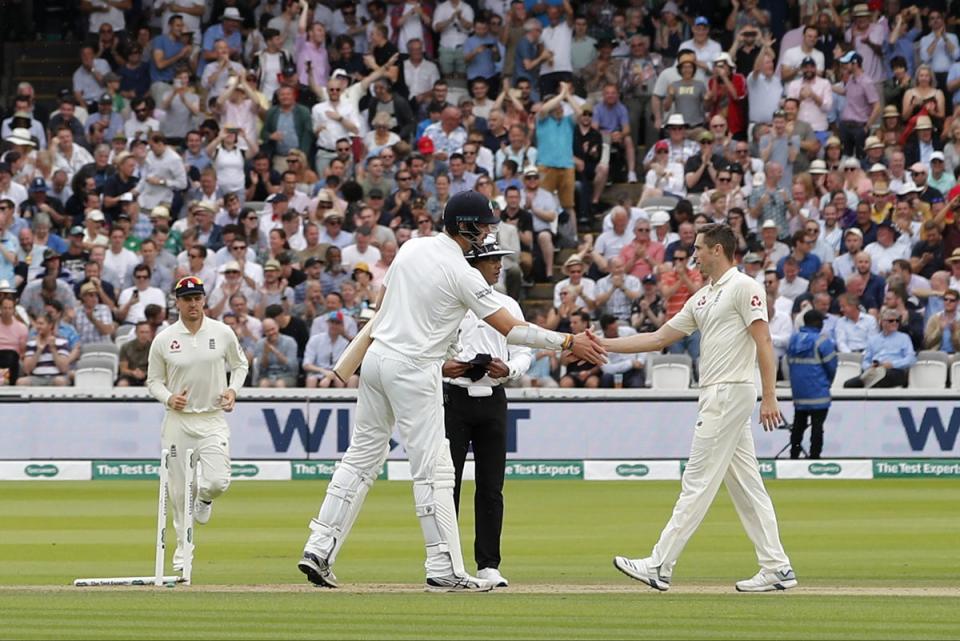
x,y
885,535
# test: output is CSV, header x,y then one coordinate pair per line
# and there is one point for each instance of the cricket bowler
x,y
426,293
186,373
731,314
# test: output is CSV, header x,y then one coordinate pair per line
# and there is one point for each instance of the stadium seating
x,y
955,372
96,371
848,366
670,371
103,352
930,371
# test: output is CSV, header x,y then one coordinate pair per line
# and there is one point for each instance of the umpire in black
x,y
475,412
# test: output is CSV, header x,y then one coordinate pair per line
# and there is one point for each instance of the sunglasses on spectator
x,y
404,178
141,277
345,148
661,151
949,299
335,221
424,221
334,89
850,168
237,247
324,204
723,180
643,229
292,160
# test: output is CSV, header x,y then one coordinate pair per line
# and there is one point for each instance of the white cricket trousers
x,y
396,390
209,436
723,450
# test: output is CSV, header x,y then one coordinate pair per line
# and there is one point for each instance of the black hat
x,y
490,249
187,286
50,254
808,61
313,260
649,279
289,70
277,197
468,207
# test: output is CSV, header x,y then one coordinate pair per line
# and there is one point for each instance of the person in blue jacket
x,y
812,358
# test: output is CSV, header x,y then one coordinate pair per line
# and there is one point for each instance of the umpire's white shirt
x,y
181,361
722,311
477,337
430,286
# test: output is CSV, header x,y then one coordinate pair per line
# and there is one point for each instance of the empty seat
x,y
99,360
667,203
98,378
848,366
930,370
955,372
670,371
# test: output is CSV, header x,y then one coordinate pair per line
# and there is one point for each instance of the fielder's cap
x,y
231,13
97,215
676,120
88,288
872,142
768,224
469,207
853,230
490,249
127,197
923,122
188,286
277,198
313,260
230,266
425,146
701,21
7,288
335,317
937,155
76,230
918,168
808,61
37,184
752,258
662,145
50,254
160,211
954,257
659,219
21,136
851,56
362,267
818,167
272,265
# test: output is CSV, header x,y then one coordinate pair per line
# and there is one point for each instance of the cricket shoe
x,y
769,581
318,571
202,510
493,575
458,583
640,570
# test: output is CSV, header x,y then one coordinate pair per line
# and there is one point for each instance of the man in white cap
x,y
228,30
925,193
939,178
680,148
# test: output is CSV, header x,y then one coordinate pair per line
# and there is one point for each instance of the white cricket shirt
x,y
722,311
181,361
477,337
430,286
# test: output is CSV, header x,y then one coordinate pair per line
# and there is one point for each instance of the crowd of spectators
x,y
283,151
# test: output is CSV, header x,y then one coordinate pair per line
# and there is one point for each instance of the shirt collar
x,y
182,329
726,276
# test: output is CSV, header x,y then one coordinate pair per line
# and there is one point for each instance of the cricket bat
x,y
349,362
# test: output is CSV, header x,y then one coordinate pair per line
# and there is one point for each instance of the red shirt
x,y
733,110
641,268
675,303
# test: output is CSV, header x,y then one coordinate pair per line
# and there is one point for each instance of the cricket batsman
x,y
731,314
426,293
186,373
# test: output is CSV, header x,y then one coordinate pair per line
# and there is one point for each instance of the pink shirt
x,y
872,63
641,268
319,63
810,112
13,336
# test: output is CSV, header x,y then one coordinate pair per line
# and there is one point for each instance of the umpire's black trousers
x,y
482,423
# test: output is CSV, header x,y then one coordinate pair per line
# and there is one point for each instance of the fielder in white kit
x,y
426,293
186,373
731,314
